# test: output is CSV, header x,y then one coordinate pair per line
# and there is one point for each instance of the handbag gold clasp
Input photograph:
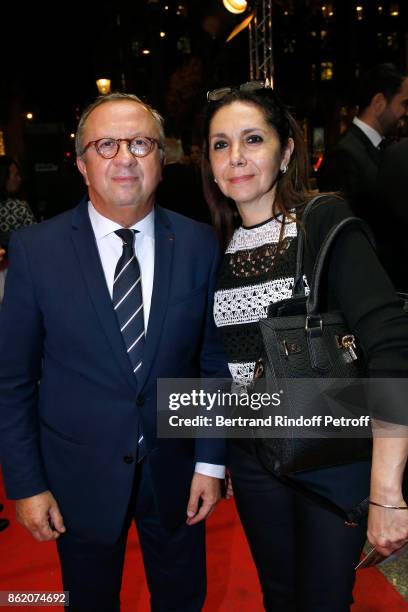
x,y
348,343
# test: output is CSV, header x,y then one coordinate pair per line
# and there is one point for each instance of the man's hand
x,y
41,516
208,490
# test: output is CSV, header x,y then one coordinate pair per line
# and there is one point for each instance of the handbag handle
x,y
313,298
298,284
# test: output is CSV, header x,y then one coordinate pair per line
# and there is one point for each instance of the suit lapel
x,y
88,257
372,151
163,259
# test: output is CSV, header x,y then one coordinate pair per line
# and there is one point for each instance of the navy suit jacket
x,y
68,397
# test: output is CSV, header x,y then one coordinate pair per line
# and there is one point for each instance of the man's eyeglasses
x,y
219,94
140,146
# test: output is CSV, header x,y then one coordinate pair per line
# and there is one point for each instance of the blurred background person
x,y
392,194
15,212
180,189
195,155
352,166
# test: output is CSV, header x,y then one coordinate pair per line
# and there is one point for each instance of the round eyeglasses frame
x,y
130,142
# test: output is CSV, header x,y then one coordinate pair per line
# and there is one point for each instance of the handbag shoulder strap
x,y
298,284
313,298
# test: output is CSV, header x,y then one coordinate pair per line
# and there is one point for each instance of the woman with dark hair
x,y
255,182
14,212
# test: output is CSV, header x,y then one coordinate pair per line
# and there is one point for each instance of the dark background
x,y
52,54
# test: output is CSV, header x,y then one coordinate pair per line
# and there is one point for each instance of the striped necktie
x,y
128,304
128,301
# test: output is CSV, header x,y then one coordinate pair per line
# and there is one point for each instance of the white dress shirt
x,y
110,250
372,134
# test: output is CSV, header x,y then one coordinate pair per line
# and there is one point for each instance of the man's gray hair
x,y
112,98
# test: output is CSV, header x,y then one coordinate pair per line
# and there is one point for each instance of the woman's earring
x,y
283,169
215,180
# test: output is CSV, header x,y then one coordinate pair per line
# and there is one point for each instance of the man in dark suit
x,y
392,196
99,303
352,165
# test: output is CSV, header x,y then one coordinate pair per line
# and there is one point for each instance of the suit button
x,y
140,400
128,459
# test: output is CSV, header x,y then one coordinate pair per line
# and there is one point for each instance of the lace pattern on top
x,y
253,238
256,262
249,304
242,372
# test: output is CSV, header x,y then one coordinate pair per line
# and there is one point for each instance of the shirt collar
x,y
372,134
102,226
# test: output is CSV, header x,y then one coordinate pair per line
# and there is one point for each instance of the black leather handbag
x,y
302,342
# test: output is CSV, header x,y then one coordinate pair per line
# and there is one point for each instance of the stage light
x,y
235,6
241,26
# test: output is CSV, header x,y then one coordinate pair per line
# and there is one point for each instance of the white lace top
x,y
253,274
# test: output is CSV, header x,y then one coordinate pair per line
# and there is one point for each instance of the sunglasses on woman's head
x,y
218,94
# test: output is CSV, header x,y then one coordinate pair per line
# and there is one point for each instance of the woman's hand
x,y
2,254
387,528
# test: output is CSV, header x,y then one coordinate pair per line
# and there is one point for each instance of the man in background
x,y
392,195
352,166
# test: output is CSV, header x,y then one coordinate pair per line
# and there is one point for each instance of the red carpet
x,y
232,583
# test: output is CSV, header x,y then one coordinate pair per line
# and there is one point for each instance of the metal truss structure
x,y
260,42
